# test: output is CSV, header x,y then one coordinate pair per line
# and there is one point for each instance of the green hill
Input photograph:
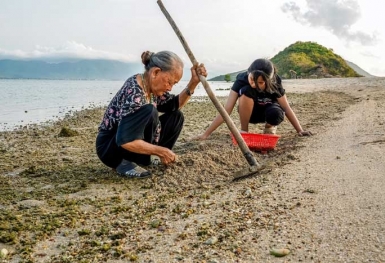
x,y
309,60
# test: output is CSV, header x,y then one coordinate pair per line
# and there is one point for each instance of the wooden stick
x,y
230,124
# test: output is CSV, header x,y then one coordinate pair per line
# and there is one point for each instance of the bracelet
x,y
188,92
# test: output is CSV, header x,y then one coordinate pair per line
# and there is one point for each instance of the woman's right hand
x,y
166,156
305,133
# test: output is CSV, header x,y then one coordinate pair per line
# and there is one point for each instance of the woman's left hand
x,y
196,70
305,133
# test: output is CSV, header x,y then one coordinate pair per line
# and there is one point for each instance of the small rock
x,y
47,187
31,203
3,253
279,252
67,132
161,228
211,241
248,192
156,223
67,159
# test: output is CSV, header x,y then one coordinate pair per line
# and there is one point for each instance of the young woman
x,y
261,98
131,130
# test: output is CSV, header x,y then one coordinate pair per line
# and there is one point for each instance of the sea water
x,y
26,101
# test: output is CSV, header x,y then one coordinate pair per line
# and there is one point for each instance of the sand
x,y
320,197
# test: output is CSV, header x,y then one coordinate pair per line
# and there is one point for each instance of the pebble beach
x,y
59,203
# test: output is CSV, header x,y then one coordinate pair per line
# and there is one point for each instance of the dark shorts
x,y
270,113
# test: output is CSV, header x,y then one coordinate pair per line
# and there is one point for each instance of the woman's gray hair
x,y
165,60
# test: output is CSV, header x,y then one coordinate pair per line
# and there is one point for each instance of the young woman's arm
x,y
291,116
229,106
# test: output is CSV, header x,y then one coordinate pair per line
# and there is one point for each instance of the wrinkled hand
x,y
167,156
305,133
197,69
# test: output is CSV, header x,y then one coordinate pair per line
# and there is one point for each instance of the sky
x,y
226,36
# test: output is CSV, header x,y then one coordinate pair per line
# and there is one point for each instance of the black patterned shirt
x,y
129,99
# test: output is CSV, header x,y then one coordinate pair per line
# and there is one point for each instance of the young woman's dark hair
x,y
266,69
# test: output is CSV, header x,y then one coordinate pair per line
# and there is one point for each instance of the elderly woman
x,y
131,132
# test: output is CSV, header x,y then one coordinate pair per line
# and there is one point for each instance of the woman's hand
x,y
196,70
305,133
200,137
166,156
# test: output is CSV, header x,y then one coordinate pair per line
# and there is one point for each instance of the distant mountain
x,y
222,77
358,69
309,60
83,69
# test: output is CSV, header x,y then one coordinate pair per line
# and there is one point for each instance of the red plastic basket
x,y
256,141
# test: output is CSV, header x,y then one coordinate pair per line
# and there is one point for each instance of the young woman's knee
x,y
243,99
275,115
245,103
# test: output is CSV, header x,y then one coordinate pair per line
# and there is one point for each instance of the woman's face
x,y
163,82
261,85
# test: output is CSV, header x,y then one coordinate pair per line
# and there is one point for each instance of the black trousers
x,y
140,125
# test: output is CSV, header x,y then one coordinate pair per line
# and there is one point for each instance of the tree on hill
x,y
227,77
309,59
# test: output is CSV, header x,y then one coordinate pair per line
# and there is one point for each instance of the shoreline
x,y
35,116
72,111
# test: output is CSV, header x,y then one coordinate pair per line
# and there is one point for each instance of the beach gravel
x,y
319,198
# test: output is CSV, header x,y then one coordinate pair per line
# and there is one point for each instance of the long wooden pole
x,y
230,124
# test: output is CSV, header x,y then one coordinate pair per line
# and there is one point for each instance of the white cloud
x,y
70,51
370,55
222,66
337,16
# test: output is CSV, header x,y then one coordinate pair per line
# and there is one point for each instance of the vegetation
x,y
309,59
227,77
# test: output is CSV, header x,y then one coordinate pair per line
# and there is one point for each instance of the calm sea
x,y
25,102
